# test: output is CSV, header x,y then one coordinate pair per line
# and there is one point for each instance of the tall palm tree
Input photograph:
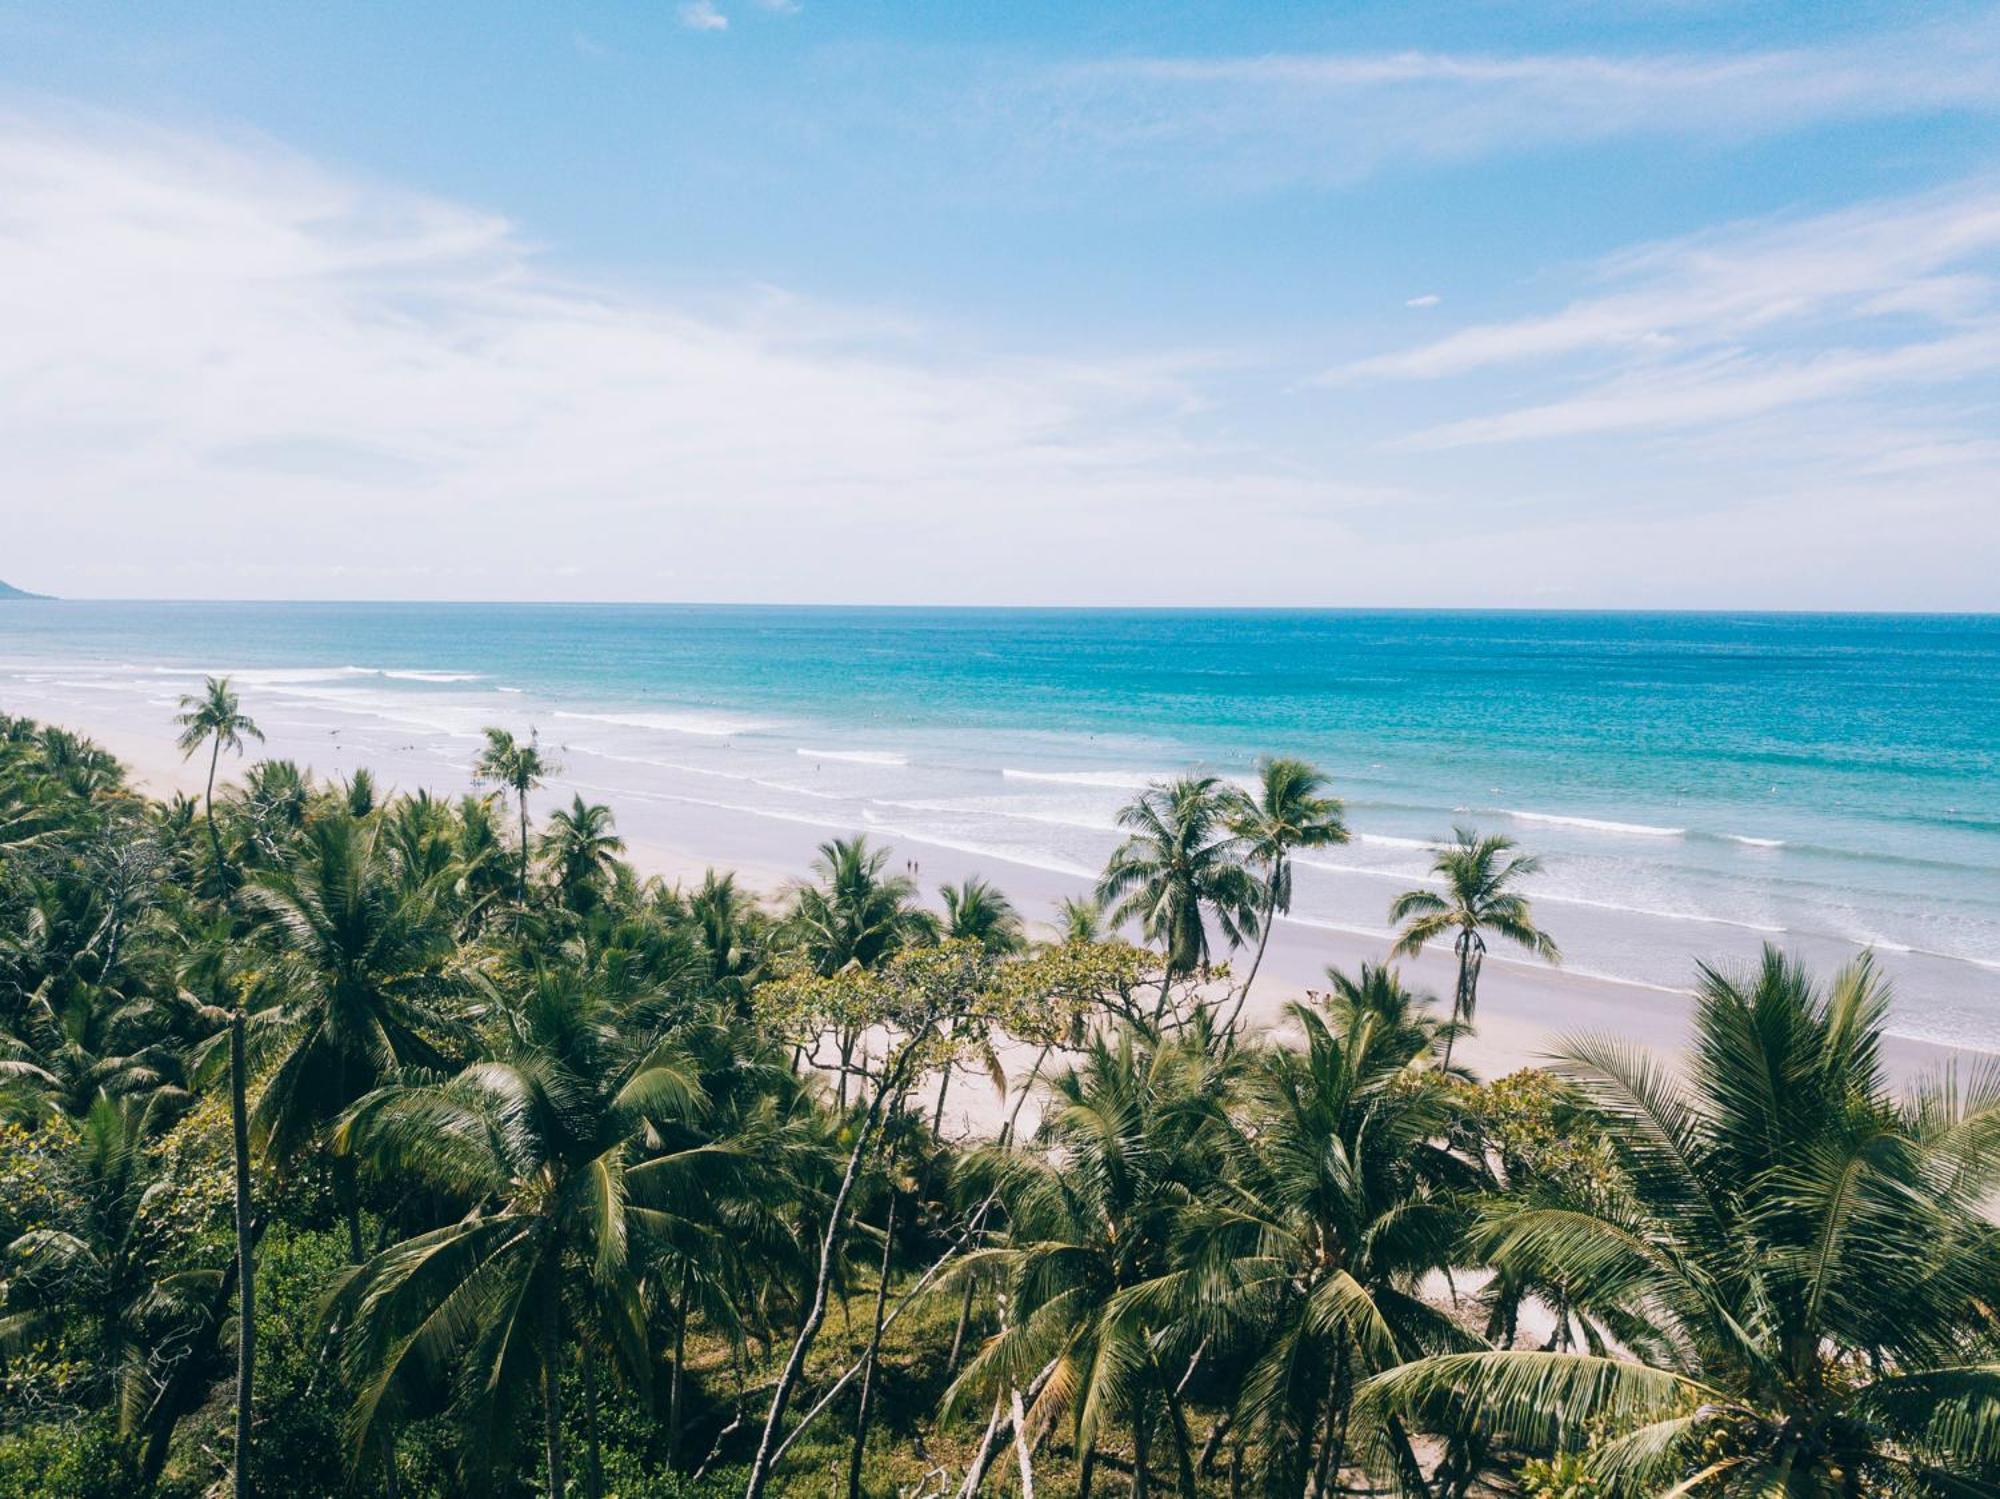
x,y
214,717
1339,1198
1479,876
367,991
520,768
1088,1265
539,1144
853,916
1179,864
1797,1273
1288,811
582,849
976,911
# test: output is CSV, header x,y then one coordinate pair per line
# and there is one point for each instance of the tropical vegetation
x,y
363,1142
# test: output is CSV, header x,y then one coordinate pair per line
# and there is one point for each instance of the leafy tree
x,y
539,1144
1179,865
519,768
1798,1277
1288,811
582,851
214,717
1478,876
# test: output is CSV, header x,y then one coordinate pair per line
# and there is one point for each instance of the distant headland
x,y
9,591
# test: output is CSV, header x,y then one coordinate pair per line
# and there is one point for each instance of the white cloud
x,y
1428,299
701,15
228,371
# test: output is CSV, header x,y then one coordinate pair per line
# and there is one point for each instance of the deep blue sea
x,y
1698,783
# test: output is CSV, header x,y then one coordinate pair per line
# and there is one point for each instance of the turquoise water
x,y
1698,783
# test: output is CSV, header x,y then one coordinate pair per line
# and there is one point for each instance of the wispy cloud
x,y
1737,322
1257,121
701,15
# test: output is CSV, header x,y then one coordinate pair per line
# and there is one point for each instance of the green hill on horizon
x,y
9,591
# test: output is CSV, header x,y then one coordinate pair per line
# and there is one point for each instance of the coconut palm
x,y
1288,811
1339,1198
582,851
1179,865
976,911
853,916
1088,1267
367,960
1080,919
1478,874
540,1145
519,768
1799,1280
214,717
733,935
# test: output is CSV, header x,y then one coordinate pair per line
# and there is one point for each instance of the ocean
x,y
1698,784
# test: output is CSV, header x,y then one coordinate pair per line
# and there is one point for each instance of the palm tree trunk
x,y
1086,1470
678,1378
552,1437
521,796
1140,1433
1263,941
208,812
1463,945
958,1333
594,1447
350,1206
865,1411
246,1315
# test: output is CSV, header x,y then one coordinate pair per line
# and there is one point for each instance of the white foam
x,y
1879,943
706,725
1384,840
1116,780
1595,824
1654,914
433,676
1748,842
856,757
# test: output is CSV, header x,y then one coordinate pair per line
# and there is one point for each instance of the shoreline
x,y
1525,1008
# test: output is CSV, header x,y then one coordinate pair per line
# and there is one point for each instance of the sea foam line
x,y
1113,780
1595,824
706,726
855,756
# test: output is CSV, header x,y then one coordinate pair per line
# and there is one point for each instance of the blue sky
x,y
1573,304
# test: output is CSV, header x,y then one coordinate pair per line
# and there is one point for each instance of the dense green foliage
x,y
558,1179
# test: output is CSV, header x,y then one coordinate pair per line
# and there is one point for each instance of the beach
x,y
1526,1008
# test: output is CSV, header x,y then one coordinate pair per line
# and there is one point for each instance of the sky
x,y
1573,304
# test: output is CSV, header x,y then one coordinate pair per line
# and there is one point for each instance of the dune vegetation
x,y
368,1142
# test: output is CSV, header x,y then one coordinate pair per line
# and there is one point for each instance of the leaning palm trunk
x,y
1269,915
246,1316
1471,951
208,805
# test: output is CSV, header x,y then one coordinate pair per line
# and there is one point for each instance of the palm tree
x,y
520,768
976,911
1179,864
540,1145
368,957
1797,1269
1288,811
854,917
215,718
1478,876
1339,1199
1080,919
1088,1268
583,850
733,935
